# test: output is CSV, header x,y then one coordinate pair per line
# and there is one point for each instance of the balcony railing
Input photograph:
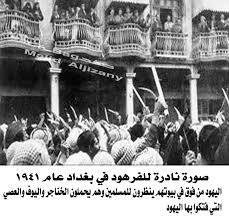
x,y
211,46
169,45
78,35
127,40
17,29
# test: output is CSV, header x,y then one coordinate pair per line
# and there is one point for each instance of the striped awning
x,y
210,5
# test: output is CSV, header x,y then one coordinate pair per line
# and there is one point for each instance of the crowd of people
x,y
11,23
118,18
214,25
75,32
61,14
80,140
32,11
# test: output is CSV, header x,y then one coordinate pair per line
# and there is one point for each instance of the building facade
x,y
50,64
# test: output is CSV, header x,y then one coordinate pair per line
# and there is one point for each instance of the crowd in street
x,y
79,140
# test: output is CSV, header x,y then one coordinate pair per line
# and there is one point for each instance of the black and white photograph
x,y
120,100
103,82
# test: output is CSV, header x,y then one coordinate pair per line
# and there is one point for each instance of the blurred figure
x,y
168,24
177,27
156,24
221,24
28,9
111,17
203,25
93,18
55,14
82,12
38,16
135,18
119,17
128,15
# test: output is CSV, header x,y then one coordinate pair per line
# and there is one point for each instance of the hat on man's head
x,y
40,134
79,159
148,156
103,158
122,152
31,152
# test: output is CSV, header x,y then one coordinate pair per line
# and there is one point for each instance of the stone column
x,y
193,77
187,25
54,89
130,97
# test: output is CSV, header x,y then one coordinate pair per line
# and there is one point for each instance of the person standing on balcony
x,y
37,14
136,18
203,25
71,12
55,14
156,24
82,12
93,18
142,21
148,20
28,30
177,27
204,28
28,9
111,17
221,24
168,24
119,17
95,22
177,44
128,15
227,25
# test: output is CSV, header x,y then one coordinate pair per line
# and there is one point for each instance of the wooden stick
x,y
89,113
15,118
224,100
158,85
149,91
106,115
139,97
74,113
226,97
159,89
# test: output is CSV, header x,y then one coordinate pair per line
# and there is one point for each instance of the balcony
x,y
211,46
78,35
127,40
169,45
17,29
